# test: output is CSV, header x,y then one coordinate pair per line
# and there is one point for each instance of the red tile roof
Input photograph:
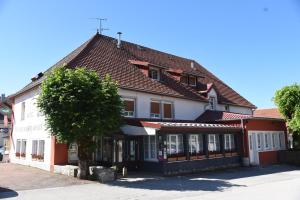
x,y
272,113
101,54
212,116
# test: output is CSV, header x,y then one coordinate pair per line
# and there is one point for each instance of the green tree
x,y
287,100
79,106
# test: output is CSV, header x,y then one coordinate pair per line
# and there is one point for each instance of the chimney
x,y
2,97
119,40
192,65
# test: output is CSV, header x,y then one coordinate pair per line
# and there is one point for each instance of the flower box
x,y
23,155
18,154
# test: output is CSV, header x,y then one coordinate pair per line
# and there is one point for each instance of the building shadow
x,y
7,193
206,181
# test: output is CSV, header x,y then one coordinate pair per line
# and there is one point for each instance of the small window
x,y
18,148
129,108
184,79
227,108
23,111
192,80
229,143
212,103
167,108
41,149
154,74
155,109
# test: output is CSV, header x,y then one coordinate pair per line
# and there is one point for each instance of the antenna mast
x,y
100,29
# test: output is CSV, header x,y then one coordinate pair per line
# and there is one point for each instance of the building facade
x,y
164,96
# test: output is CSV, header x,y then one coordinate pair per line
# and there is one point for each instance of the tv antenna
x,y
100,20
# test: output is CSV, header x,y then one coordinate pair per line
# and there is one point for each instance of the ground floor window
x,y
229,142
175,145
21,148
150,148
196,145
38,150
6,144
214,143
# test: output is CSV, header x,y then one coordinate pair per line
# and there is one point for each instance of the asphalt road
x,y
276,182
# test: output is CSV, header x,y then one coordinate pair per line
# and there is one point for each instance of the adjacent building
x,y
180,118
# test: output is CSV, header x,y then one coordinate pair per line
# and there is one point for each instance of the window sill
x,y
198,157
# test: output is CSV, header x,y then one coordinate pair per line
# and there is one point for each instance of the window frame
x,y
195,82
199,138
163,109
155,115
179,152
231,145
134,107
151,69
161,114
212,103
186,82
23,109
216,148
149,149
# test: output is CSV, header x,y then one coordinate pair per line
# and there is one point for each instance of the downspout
x,y
243,137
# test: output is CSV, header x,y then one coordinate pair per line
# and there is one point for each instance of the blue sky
x,y
253,46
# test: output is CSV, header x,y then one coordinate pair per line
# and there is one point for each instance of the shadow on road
x,y
7,193
209,181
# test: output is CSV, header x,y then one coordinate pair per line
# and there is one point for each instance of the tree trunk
x,y
85,157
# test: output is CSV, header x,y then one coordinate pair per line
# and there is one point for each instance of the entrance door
x,y
253,148
133,154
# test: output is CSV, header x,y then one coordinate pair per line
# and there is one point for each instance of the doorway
x,y
254,141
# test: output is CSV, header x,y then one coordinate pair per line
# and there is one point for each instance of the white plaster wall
x,y
232,108
183,109
31,128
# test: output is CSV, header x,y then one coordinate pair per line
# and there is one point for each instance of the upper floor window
x,y
192,81
23,111
155,109
154,73
212,103
184,79
129,107
161,110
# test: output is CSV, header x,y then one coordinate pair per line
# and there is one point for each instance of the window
x,y
150,147
23,148
129,107
192,80
184,79
227,108
212,103
34,149
282,140
196,144
259,140
6,144
23,111
167,108
155,109
41,149
229,142
267,141
175,145
154,73
18,148
274,140
213,143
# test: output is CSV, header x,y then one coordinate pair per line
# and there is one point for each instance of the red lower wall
x,y
59,153
268,158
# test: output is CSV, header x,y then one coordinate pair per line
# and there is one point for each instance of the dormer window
x,y
227,108
212,103
154,73
192,80
184,79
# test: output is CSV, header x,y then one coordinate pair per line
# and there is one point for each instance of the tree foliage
x,y
78,106
288,101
